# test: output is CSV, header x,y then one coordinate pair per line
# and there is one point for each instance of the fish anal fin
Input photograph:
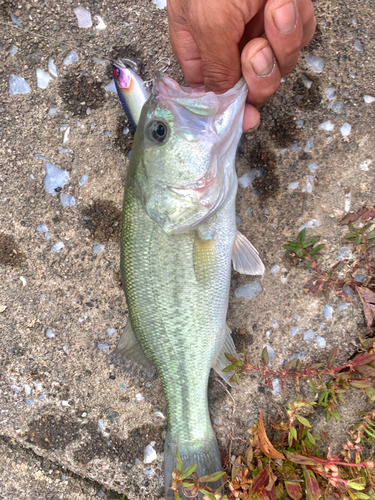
x,y
222,362
245,258
129,347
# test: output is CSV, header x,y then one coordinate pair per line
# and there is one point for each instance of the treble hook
x,y
162,70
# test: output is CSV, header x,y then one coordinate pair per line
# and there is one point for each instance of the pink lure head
x,y
122,76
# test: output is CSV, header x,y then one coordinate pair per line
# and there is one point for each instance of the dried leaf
x,y
259,481
265,443
332,356
368,302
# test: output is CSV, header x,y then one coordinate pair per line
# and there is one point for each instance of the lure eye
x,y
116,72
157,131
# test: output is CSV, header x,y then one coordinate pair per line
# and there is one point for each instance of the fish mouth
x,y
128,63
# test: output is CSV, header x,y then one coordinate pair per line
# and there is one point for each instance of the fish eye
x,y
157,131
116,72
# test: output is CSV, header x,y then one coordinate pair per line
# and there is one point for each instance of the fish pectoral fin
x,y
203,256
245,258
129,347
221,361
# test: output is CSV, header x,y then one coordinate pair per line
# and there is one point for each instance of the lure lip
x,y
128,63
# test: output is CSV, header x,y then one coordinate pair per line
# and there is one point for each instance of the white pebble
x,y
337,107
98,248
52,67
125,130
307,83
321,342
276,387
30,402
309,145
294,331
15,388
310,184
316,63
123,387
365,165
271,353
23,281
18,85
15,20
249,291
148,472
149,454
67,200
100,424
82,318
43,78
330,93
71,58
369,99
358,45
343,306
328,126
57,247
348,201
296,148
111,87
12,50
66,135
308,335
275,269
293,185
313,167
52,111
246,180
83,180
27,390
103,347
160,4
65,403
343,252
83,17
111,331
310,223
159,414
139,397
299,123
328,310
101,24
346,129
49,333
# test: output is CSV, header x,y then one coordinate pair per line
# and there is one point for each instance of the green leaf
x,y
211,478
230,358
301,236
358,240
371,234
332,357
300,253
311,438
356,486
293,432
188,472
303,421
316,249
312,487
179,463
290,247
310,241
177,496
362,496
265,356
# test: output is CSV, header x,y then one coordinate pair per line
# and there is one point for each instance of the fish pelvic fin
x,y
206,456
245,258
129,347
222,362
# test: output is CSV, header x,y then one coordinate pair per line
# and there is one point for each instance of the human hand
x,y
217,41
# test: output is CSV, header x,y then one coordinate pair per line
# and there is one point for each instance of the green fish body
x,y
178,239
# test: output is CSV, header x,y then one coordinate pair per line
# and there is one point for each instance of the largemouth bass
x,y
178,239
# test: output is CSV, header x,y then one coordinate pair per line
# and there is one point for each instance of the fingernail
x,y
285,17
263,62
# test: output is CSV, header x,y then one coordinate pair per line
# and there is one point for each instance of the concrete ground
x,y
72,423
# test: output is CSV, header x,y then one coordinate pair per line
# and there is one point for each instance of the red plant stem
x,y
333,462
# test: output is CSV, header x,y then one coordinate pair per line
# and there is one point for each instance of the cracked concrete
x,y
84,420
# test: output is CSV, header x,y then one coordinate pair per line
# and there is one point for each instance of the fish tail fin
x,y
206,455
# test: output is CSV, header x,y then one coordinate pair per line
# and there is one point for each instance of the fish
x,y
130,88
178,240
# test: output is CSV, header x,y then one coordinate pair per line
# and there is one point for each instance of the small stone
x,y
246,180
343,252
66,135
309,145
18,85
111,87
139,397
309,184
55,178
43,78
331,93
100,424
159,414
293,185
107,133
15,388
52,67
137,461
248,211
358,45
294,331
300,123
308,224
316,63
307,83
100,493
98,248
83,17
111,331
30,402
321,342
67,200
103,346
148,472
82,318
296,148
271,353
149,454
365,165
63,150
328,126
112,415
12,50
57,247
308,335
346,129
15,20
328,310
276,387
27,390
71,58
52,111
369,99
49,333
343,306
160,4
62,477
101,24
337,107
275,269
125,130
313,167
249,291
41,228
83,180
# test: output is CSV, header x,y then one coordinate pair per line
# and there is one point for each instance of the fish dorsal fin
x,y
129,347
221,361
245,258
